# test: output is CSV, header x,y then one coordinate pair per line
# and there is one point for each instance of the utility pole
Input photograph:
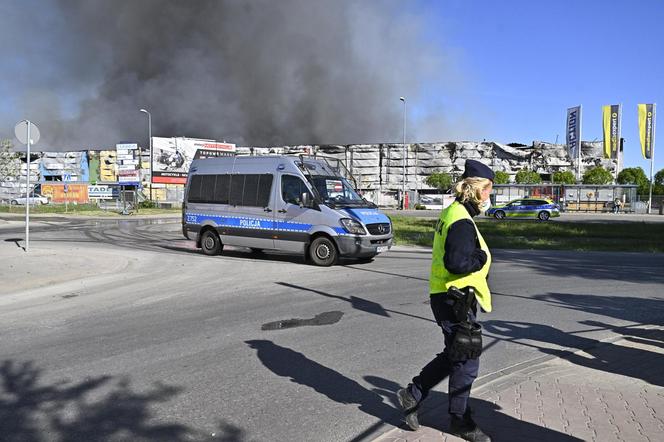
x,y
405,153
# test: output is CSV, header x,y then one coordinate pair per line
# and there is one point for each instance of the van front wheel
x,y
323,252
210,243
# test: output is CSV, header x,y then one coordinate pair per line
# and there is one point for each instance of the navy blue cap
x,y
476,169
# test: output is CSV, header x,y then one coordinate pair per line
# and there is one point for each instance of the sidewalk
x,y
613,392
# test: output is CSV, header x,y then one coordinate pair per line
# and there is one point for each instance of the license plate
x,y
381,249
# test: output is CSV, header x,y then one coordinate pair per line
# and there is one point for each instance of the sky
x,y
472,70
526,62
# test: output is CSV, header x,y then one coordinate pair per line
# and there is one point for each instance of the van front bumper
x,y
362,246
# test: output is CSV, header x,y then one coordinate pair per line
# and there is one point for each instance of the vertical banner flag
x,y
573,130
646,129
611,120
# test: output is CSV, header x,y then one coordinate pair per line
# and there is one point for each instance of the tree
x,y
439,180
526,176
501,177
9,165
635,175
658,188
564,177
597,175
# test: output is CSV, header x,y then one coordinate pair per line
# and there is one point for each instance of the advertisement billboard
x,y
102,192
171,157
127,163
65,192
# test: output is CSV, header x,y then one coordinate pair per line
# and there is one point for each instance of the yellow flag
x,y
611,123
646,129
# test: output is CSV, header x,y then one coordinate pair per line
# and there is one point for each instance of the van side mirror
x,y
305,200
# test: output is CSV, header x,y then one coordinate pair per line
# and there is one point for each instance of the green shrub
x,y
597,175
526,176
440,180
147,204
564,177
635,175
501,177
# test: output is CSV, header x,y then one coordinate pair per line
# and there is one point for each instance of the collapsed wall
x,y
381,166
377,168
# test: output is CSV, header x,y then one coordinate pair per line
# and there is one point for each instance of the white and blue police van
x,y
294,204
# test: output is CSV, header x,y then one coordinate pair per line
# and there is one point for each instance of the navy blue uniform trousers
x,y
461,373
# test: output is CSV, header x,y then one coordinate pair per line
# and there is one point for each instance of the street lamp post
x,y
403,181
150,139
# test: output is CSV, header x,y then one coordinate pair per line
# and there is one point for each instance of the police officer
x,y
457,284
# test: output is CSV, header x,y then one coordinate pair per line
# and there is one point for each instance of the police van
x,y
288,203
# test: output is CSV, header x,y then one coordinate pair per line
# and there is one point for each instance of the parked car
x,y
35,198
526,207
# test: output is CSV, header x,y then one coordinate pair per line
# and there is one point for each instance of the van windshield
x,y
337,191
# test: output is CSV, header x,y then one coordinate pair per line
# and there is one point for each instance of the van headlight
x,y
352,226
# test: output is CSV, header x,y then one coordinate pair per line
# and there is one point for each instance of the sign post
x,y
66,177
27,133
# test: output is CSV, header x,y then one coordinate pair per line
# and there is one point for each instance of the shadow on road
x,y
605,356
101,408
380,401
357,303
387,273
288,363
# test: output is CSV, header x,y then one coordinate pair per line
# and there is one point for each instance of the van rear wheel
x,y
210,243
323,252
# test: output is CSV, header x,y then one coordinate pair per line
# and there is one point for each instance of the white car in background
x,y
35,198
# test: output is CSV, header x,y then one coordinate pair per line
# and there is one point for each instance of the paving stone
x,y
559,398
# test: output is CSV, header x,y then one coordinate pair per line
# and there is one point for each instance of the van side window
x,y
207,188
264,189
250,194
195,188
222,189
237,189
292,189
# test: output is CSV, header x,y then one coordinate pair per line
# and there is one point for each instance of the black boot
x,y
466,428
409,400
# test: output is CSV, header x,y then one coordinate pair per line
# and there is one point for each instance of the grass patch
x,y
530,234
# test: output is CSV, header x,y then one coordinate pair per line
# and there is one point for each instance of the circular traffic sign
x,y
21,132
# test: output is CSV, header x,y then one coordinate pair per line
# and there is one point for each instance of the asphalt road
x,y
121,330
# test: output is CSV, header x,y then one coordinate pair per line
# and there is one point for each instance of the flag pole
x,y
652,158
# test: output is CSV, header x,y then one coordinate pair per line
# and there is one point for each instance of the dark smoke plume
x,y
253,72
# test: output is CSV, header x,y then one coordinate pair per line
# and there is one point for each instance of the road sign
x,y
21,131
27,133
66,177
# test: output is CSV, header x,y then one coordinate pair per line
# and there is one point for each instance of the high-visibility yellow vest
x,y
441,279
